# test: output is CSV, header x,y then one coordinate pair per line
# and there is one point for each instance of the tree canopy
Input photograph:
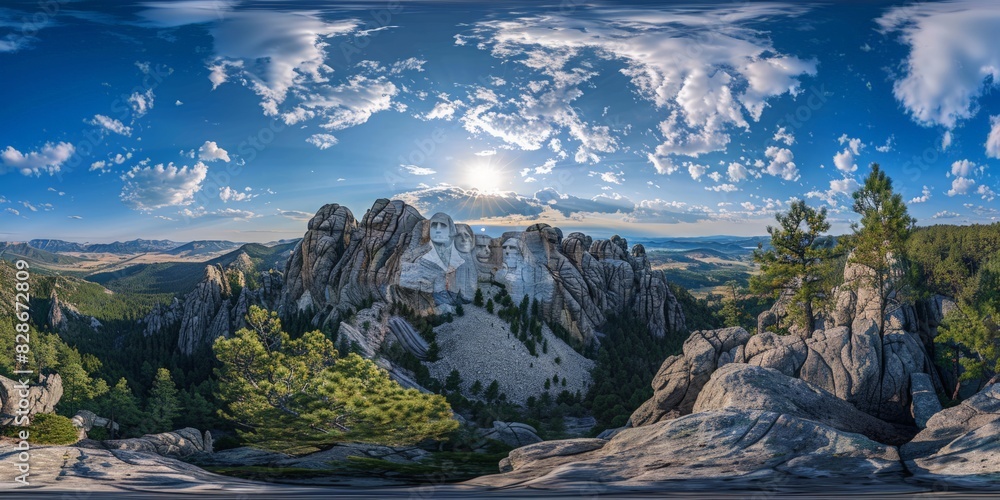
x,y
300,393
879,242
792,264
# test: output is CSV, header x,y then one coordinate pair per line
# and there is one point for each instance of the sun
x,y
485,178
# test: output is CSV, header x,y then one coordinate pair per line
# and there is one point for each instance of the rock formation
x,y
181,443
432,265
43,396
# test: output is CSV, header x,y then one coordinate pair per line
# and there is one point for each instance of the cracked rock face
x,y
432,265
727,444
44,394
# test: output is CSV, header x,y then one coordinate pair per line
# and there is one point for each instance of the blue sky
x,y
238,120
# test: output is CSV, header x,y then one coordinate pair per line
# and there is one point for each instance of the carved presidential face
x,y
442,229
483,251
512,253
464,240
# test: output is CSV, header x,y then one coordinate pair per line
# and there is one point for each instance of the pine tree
x,y
123,407
478,299
793,264
163,405
299,392
879,243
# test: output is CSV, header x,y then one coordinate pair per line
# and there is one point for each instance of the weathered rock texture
x,y
747,387
177,444
730,445
393,254
43,396
214,309
852,358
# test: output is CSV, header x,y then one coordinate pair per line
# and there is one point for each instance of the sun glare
x,y
485,178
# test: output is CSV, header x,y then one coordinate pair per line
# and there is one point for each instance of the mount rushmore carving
x,y
433,265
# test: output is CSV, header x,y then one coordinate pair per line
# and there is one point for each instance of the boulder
x,y
546,449
959,444
746,387
925,403
181,443
680,378
43,396
511,433
729,445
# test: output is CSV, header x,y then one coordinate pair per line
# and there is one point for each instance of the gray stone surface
x,y
729,445
746,387
479,345
960,444
44,393
511,433
181,443
925,402
680,378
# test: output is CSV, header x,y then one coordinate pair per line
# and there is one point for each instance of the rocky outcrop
x,y
85,420
206,311
727,445
213,309
960,443
407,337
854,364
745,387
181,443
43,395
394,254
680,378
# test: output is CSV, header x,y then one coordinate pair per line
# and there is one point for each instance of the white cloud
x,y
783,135
924,196
946,140
696,170
12,211
845,160
149,188
888,144
736,172
210,151
346,105
77,217
98,165
141,102
727,188
962,168
944,214
48,160
986,193
178,103
416,170
954,53
227,194
322,141
443,110
663,165
111,125
546,167
486,152
703,69
846,186
665,212
993,141
960,185
781,163
224,213
612,177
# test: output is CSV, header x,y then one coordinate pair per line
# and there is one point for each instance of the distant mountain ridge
x,y
118,247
